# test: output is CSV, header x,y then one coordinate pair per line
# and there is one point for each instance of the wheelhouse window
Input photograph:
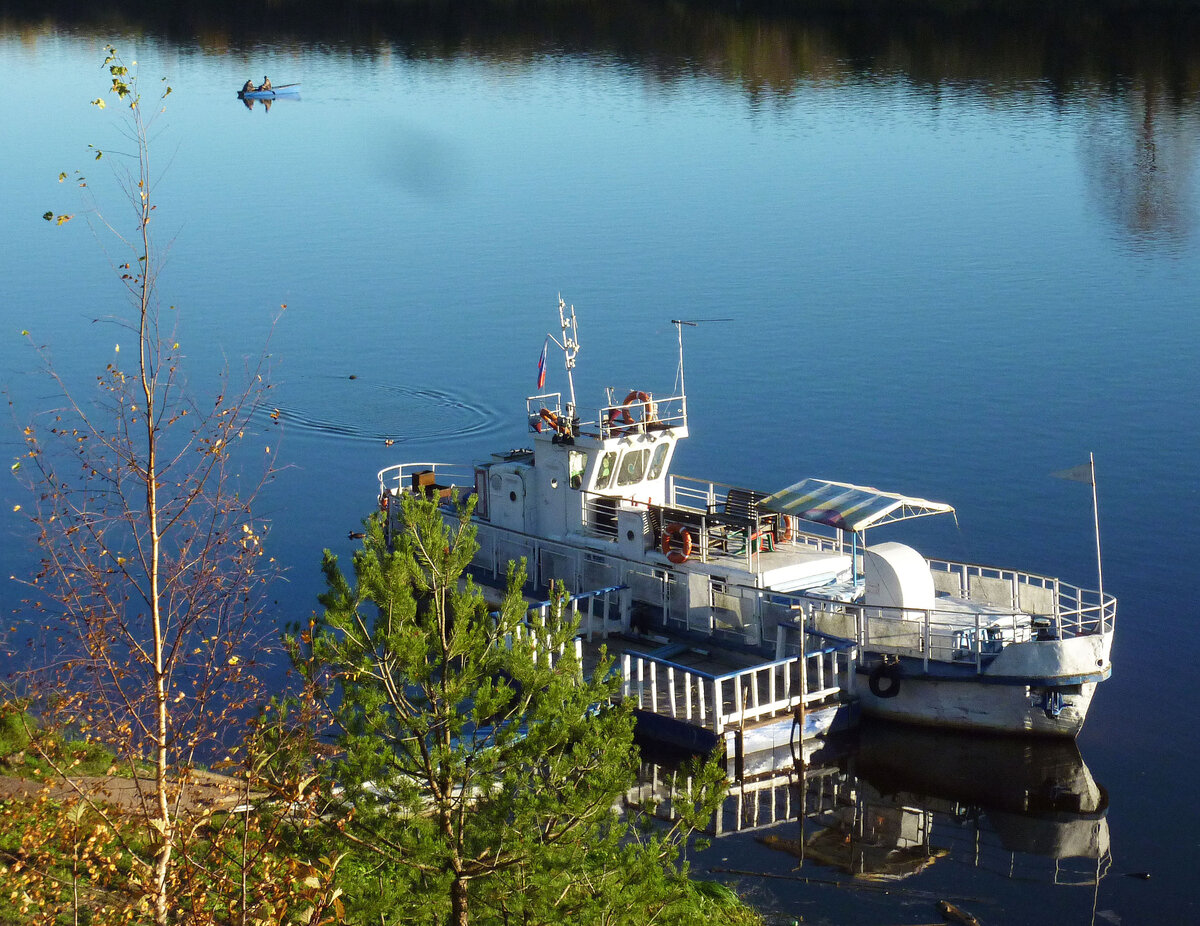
x,y
660,458
576,467
633,467
608,463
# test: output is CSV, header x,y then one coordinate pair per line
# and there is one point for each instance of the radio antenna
x,y
691,323
570,348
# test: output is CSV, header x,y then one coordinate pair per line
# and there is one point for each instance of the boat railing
x,y
1058,607
709,498
942,636
600,514
404,477
545,411
641,416
594,610
695,494
718,702
967,636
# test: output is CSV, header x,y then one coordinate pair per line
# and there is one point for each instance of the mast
x,y
570,348
679,323
1086,472
1096,519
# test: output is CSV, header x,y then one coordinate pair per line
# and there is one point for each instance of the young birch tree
x,y
152,559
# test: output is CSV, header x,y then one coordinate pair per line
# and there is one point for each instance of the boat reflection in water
x,y
891,800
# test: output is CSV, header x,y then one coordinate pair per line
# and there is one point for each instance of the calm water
x,y
950,255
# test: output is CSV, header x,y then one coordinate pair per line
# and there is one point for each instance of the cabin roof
x,y
848,507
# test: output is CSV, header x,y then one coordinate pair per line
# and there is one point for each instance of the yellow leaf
x,y
233,660
16,507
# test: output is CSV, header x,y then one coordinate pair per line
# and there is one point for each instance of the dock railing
x,y
715,702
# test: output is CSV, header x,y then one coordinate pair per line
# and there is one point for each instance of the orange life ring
x,y
635,397
557,423
783,529
677,534
384,500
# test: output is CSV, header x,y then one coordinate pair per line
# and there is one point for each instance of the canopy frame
x,y
848,507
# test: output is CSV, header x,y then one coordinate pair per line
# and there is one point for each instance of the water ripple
x,y
357,409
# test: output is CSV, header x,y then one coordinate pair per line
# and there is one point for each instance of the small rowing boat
x,y
281,90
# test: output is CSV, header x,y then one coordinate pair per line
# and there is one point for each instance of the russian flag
x,y
541,380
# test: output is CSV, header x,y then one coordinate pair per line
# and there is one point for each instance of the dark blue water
x,y
942,269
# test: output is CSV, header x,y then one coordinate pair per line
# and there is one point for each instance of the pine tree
x,y
482,768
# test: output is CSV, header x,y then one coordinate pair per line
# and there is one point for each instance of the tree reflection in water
x,y
1010,54
1140,159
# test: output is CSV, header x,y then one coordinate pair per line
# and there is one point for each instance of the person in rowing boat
x,y
248,86
266,84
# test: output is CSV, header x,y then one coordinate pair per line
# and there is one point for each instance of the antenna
x,y
679,323
691,323
570,348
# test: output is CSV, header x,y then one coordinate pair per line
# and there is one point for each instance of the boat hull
x,y
973,704
267,94
1041,688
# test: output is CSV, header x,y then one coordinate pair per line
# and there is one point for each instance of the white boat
x,y
594,504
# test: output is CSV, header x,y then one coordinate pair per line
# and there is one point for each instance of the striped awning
x,y
847,507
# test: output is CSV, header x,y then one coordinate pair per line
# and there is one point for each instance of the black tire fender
x,y
884,680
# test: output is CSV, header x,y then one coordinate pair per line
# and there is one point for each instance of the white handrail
x,y
720,701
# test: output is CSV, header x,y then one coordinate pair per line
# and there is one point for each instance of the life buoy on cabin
x,y
559,424
884,680
783,529
623,415
677,543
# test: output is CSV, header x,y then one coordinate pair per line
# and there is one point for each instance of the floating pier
x,y
687,695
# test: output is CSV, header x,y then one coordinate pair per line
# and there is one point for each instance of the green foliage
x,y
27,750
482,769
15,726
